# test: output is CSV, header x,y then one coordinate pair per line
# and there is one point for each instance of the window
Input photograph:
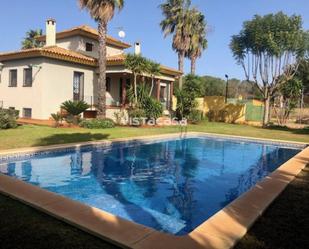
x,y
89,47
28,77
78,86
108,84
13,78
27,113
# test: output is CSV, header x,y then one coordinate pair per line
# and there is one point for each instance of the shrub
x,y
138,114
8,118
186,103
57,117
97,123
195,116
74,109
120,117
152,108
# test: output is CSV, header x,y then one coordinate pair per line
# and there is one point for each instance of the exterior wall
x,y
78,43
121,113
58,84
257,102
214,103
53,84
230,113
23,97
113,97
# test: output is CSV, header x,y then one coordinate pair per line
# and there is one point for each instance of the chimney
x,y
50,32
137,47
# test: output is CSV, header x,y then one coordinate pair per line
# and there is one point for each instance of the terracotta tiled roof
x,y
59,53
88,32
120,59
116,58
50,52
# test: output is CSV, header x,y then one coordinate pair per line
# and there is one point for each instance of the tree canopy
x,y
31,41
102,10
269,49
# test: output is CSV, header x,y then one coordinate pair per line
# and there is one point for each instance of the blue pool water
x,y
169,185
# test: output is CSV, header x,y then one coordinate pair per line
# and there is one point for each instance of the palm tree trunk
x,y
193,65
102,28
135,89
181,58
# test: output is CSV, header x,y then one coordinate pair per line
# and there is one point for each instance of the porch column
x,y
158,89
124,92
171,94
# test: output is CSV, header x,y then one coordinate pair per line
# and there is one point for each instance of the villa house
x,y
36,81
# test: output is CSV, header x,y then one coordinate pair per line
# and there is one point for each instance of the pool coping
x,y
221,231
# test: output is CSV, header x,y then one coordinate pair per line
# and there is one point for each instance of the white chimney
x,y
137,48
50,32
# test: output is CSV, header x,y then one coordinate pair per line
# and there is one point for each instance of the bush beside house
x,y
97,123
8,118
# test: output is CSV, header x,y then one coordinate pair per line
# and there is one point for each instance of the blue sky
x,y
140,20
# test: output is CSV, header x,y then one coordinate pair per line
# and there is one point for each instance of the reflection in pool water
x,y
170,185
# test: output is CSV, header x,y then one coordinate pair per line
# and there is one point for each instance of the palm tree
x,y
31,41
198,41
154,70
176,13
102,11
138,65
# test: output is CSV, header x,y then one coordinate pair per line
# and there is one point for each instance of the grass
x,y
286,221
30,135
283,226
23,227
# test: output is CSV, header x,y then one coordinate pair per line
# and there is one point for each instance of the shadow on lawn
x,y
303,131
70,138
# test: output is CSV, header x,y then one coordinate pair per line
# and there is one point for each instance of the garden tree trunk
x,y
181,58
102,28
193,65
135,89
152,85
266,106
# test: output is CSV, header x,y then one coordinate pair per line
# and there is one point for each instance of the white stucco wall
x,y
53,84
58,84
78,43
23,97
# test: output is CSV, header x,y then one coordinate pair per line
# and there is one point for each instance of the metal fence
x,y
254,113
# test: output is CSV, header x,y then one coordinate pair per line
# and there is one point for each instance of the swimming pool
x,y
172,185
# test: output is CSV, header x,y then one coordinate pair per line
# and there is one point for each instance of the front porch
x,y
117,87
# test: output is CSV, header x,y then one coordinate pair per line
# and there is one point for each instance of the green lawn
x,y
23,227
29,135
284,224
